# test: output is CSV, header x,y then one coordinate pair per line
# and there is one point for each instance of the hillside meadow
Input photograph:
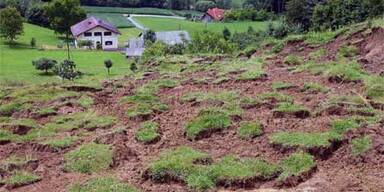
x,y
168,24
16,60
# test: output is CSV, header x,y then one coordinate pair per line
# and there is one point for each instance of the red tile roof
x,y
91,23
216,13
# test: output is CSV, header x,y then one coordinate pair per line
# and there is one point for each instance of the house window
x,y
108,43
97,34
107,33
87,34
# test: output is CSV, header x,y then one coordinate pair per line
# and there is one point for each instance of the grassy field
x,y
164,24
15,62
143,10
116,19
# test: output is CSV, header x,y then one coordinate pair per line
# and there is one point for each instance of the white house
x,y
97,31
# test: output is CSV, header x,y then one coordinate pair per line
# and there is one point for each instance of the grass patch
x,y
291,109
361,145
103,184
293,60
296,164
20,178
207,122
250,129
279,85
348,51
85,101
341,126
10,108
17,161
314,88
304,140
275,96
148,132
88,158
62,143
318,54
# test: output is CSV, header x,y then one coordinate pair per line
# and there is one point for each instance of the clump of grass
x,y
59,144
148,132
143,104
276,96
231,169
296,164
374,88
348,51
250,129
252,75
85,101
318,54
290,108
361,145
341,126
315,88
316,38
278,47
88,158
6,136
20,178
41,94
10,108
279,85
45,111
102,184
17,160
176,163
207,121
304,140
345,71
293,60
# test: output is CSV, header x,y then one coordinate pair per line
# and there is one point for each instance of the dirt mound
x,y
372,49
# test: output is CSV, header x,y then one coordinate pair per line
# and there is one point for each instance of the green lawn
x,y
128,33
141,10
116,19
15,62
166,24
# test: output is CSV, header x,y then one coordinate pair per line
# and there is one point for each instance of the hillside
x,y
303,113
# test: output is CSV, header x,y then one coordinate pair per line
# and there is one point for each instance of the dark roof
x,y
90,23
216,13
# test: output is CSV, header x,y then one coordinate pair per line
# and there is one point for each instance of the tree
x,y
204,5
62,15
44,64
11,24
150,36
226,33
108,64
33,42
67,70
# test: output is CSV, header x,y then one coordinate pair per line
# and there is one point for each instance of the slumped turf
x,y
250,129
304,140
361,145
102,184
148,132
20,178
88,158
296,164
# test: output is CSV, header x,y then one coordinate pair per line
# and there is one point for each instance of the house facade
x,y
213,15
97,33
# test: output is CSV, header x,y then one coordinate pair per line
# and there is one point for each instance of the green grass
x,y
303,140
117,19
17,160
102,184
147,132
296,164
276,96
292,60
314,88
188,165
318,53
290,108
341,126
361,145
279,85
9,108
16,68
62,143
250,129
140,10
157,24
85,101
207,122
88,158
20,178
348,51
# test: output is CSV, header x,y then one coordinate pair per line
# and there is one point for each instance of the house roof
x,y
216,13
90,23
172,37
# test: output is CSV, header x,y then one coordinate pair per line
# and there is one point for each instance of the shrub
x,y
226,33
67,70
147,132
203,5
210,42
361,145
296,164
207,122
44,64
108,64
105,184
88,158
150,36
156,49
33,42
85,43
250,129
